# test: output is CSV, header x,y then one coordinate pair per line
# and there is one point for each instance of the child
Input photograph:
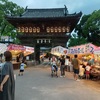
x,y
22,66
81,71
88,67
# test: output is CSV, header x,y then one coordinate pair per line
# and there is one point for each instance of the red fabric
x,y
87,72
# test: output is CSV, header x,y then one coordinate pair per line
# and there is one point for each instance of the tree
x,y
8,8
74,40
79,37
79,28
92,28
88,30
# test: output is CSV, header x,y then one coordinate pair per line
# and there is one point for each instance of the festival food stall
x,y
97,55
19,51
83,51
15,50
88,52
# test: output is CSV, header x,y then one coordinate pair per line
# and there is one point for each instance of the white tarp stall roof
x,y
59,50
28,50
3,48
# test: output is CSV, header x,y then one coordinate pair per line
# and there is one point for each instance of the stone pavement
x,y
37,84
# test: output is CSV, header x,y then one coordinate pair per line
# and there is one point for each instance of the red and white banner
x,y
15,47
29,49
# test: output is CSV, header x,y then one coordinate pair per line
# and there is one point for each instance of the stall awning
x,y
59,50
3,48
97,50
28,50
82,49
17,49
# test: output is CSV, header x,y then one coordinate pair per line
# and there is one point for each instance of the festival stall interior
x,y
19,52
87,54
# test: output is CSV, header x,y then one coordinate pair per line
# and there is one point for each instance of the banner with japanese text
x,y
86,48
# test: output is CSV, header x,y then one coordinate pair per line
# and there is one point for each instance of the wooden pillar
x,y
37,53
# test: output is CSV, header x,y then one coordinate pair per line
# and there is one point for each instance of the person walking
x,y
62,68
76,63
22,67
7,83
66,63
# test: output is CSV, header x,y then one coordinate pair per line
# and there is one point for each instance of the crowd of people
x,y
65,63
81,70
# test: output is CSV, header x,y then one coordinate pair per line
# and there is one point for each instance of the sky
x,y
86,6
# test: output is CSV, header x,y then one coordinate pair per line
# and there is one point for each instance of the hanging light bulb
x,y
38,29
30,29
68,29
48,29
52,29
26,29
19,29
22,29
63,29
55,29
59,29
34,29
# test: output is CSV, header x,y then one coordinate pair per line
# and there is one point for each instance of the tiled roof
x,y
46,13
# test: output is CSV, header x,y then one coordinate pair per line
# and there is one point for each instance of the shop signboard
x,y
87,48
97,50
59,50
29,49
15,47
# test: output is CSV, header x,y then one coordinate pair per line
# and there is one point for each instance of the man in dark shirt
x,y
75,63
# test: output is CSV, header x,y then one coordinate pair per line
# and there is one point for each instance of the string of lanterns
x,y
48,29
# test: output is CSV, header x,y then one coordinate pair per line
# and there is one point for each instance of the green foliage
x,y
92,28
8,8
74,40
88,30
80,26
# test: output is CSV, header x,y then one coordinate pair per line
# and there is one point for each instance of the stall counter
x,y
16,65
